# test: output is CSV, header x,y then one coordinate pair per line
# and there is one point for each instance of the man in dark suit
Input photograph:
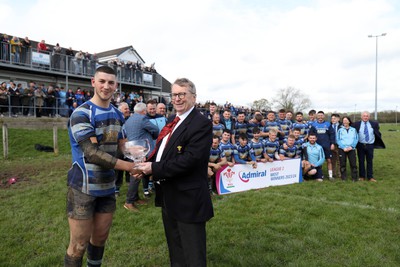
x,y
369,138
179,167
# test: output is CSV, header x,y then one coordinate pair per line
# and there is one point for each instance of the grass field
x,y
307,224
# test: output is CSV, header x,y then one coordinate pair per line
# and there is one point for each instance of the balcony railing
x,y
72,66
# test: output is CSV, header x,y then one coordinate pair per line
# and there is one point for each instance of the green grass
x,y
308,224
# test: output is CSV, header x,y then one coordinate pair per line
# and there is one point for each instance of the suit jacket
x,y
182,171
378,136
138,126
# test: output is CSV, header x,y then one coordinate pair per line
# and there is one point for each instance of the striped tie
x,y
366,133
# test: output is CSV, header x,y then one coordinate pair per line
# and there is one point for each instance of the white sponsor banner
x,y
243,177
40,58
147,77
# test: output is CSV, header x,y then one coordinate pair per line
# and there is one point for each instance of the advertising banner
x,y
243,177
40,58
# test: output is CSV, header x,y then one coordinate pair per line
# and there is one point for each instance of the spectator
x,y
138,72
138,126
27,99
159,121
63,111
3,98
70,99
51,101
128,71
93,62
85,60
26,51
161,109
42,47
5,48
78,62
88,96
70,58
15,49
79,97
40,96
56,56
14,99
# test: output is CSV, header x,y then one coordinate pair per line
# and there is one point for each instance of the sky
x,y
238,50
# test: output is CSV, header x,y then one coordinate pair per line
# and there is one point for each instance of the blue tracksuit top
x,y
315,154
347,137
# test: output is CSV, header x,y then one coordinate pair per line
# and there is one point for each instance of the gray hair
x,y
185,82
139,107
122,104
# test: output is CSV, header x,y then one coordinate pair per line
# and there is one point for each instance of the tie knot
x,y
176,120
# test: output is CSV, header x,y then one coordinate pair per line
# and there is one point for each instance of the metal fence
x,y
21,105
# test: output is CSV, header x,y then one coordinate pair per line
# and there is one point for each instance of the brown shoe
x,y
372,180
141,202
131,207
361,179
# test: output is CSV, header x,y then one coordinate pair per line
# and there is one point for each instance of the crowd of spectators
x,y
52,100
18,51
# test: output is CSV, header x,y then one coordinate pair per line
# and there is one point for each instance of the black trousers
x,y
365,152
352,160
186,241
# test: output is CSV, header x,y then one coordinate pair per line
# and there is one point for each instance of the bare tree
x,y
291,99
261,104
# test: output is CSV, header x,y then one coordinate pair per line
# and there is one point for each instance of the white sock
x,y
330,173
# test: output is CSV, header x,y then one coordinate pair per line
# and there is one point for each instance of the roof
x,y
118,51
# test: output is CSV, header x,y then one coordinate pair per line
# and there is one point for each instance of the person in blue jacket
x,y
347,139
313,158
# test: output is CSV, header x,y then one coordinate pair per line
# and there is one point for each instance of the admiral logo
x,y
246,176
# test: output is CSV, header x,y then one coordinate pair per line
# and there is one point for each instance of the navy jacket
x,y
378,136
182,171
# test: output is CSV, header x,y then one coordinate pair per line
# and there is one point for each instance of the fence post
x,y
55,139
5,141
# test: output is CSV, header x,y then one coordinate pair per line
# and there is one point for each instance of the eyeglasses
x,y
180,96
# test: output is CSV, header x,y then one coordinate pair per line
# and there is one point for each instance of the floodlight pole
x,y
376,72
